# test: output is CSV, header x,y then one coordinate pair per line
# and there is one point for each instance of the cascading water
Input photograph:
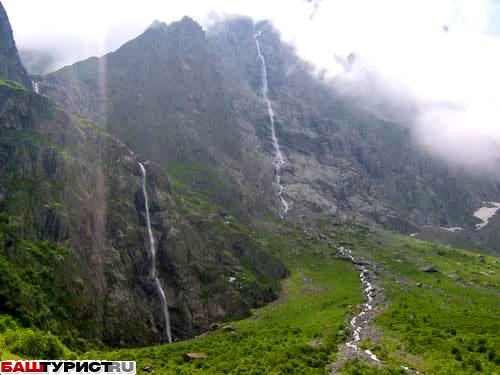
x,y
36,87
152,253
368,290
279,160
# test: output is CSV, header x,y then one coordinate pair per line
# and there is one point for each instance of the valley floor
x,y
298,333
441,322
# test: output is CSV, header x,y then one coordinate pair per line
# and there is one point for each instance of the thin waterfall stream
x,y
152,253
279,160
35,86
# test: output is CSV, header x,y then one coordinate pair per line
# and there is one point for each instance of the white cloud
x,y
450,80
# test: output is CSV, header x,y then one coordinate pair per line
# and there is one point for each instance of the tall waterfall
x,y
279,160
152,253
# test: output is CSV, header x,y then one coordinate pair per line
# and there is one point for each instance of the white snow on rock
x,y
452,229
485,213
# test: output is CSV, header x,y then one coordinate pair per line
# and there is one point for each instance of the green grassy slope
x,y
444,322
296,334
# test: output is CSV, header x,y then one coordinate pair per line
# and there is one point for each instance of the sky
x,y
434,63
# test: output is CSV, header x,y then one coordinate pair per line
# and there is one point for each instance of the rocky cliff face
x,y
10,63
70,183
341,160
67,182
180,95
163,95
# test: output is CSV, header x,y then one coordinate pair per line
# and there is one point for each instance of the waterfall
x,y
279,160
152,253
36,87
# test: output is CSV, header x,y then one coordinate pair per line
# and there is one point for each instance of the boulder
x,y
429,269
228,328
194,355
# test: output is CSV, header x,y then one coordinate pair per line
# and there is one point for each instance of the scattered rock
x,y
147,368
419,284
360,262
223,214
214,327
228,328
193,356
315,344
429,269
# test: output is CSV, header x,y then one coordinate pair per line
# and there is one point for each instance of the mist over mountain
x,y
38,61
212,183
341,159
437,80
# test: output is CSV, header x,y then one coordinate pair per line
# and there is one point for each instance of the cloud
x,y
444,83
431,65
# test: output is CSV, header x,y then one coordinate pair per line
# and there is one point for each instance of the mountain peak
x,y
11,67
157,25
189,21
187,24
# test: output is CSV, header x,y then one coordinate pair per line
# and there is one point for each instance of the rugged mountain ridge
x,y
163,95
72,190
11,67
69,183
342,161
352,162
74,229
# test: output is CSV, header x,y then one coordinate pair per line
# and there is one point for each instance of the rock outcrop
x,y
11,67
181,96
67,182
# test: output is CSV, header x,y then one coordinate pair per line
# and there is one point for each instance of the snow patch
x,y
452,229
485,213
